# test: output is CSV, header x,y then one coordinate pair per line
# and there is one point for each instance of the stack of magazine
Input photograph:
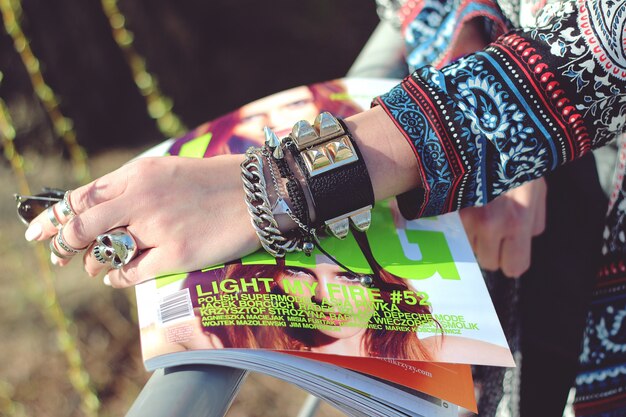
x,y
398,339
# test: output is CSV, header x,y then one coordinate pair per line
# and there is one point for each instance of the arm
x,y
486,135
529,102
187,213
501,232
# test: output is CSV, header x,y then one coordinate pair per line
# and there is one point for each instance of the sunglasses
x,y
31,206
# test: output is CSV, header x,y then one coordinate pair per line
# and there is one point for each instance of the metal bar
x,y
310,406
188,391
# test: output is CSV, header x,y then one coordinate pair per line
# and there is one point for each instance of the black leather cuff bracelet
x,y
335,173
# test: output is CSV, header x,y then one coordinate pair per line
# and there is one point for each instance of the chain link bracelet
x,y
260,209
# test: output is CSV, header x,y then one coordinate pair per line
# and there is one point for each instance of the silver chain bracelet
x,y
259,207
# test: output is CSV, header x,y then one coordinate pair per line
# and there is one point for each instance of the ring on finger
x,y
60,241
52,216
65,206
116,248
58,254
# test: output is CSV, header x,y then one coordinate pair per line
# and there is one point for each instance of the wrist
x,y
326,175
389,157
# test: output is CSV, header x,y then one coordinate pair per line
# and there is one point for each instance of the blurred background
x,y
84,86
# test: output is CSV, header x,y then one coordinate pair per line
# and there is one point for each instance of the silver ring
x,y
65,206
52,216
58,254
116,248
63,244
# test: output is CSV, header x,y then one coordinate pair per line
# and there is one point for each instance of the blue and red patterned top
x,y
551,88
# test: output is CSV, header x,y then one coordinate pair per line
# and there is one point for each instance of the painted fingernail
x,y
106,280
33,232
54,259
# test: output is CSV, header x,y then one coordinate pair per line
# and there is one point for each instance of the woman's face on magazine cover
x,y
344,301
279,112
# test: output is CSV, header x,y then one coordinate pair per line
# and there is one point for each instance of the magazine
x,y
423,316
355,393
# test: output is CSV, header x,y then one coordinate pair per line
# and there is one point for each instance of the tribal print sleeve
x,y
534,99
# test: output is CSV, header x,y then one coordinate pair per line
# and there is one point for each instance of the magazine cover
x,y
425,298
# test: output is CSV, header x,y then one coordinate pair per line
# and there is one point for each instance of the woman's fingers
x,y
47,224
540,207
501,232
72,224
515,255
76,201
103,189
83,229
60,252
169,205
488,249
114,249
149,264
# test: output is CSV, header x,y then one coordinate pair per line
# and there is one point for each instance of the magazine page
x,y
425,299
450,382
353,392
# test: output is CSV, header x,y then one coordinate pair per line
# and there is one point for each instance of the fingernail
x,y
33,232
54,259
106,280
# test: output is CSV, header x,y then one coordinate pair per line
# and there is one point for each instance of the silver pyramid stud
x,y
339,228
280,207
278,153
316,159
303,134
326,125
362,220
271,139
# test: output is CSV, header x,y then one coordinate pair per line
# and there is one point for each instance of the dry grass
x,y
34,378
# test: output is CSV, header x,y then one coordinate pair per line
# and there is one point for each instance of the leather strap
x,y
341,192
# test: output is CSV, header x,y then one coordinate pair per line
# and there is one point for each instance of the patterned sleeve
x,y
531,101
431,27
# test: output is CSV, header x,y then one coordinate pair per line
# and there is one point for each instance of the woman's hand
x,y
184,213
501,232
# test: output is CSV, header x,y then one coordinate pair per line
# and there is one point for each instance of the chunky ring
x,y
58,254
53,217
63,244
65,206
116,248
